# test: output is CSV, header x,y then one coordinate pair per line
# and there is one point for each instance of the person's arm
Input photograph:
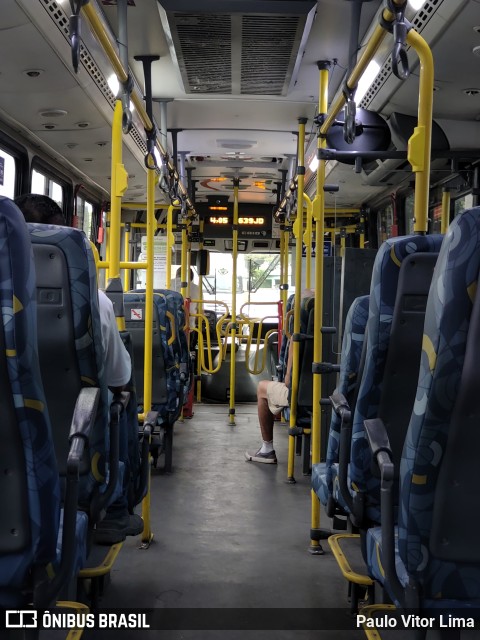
x,y
117,364
288,373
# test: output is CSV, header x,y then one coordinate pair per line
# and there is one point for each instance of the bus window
x,y
385,223
7,174
463,203
258,280
46,186
38,182
55,192
409,213
84,216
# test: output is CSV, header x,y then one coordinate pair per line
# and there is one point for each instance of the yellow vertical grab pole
x,y
307,239
126,256
298,296
233,332
318,208
362,232
199,323
183,270
285,283
170,242
419,145
446,198
119,184
147,534
185,277
107,237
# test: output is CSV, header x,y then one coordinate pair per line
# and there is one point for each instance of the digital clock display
x,y
255,221
218,220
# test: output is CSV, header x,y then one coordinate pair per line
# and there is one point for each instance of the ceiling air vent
x,y
253,47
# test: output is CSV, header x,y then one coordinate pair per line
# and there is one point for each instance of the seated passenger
x,y
118,522
272,397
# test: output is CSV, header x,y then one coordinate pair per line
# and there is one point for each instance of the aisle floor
x,y
230,534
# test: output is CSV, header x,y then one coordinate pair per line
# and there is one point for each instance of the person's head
x,y
40,208
179,273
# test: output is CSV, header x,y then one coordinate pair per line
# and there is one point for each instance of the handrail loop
x,y
350,125
400,28
75,31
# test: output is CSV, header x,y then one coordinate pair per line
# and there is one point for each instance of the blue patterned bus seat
x,y
175,354
383,293
324,474
30,523
75,269
439,470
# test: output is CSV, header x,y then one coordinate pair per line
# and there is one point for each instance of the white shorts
x,y
277,396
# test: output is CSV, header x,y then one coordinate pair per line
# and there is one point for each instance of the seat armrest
x,y
342,409
117,407
149,424
377,439
381,452
82,422
339,403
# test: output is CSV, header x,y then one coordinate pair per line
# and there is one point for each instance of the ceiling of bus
x,y
250,135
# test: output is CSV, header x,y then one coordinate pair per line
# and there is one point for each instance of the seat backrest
x,y
135,324
439,471
70,342
400,282
352,346
169,309
29,485
134,486
283,356
305,377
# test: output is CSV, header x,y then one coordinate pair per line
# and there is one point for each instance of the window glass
x,y
38,182
385,224
258,281
409,213
45,186
460,204
55,192
87,219
7,174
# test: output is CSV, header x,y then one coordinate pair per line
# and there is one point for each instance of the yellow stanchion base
x,y
146,542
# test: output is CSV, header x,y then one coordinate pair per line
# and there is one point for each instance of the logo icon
x,y
20,619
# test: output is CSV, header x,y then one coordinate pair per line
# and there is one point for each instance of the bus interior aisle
x,y
229,534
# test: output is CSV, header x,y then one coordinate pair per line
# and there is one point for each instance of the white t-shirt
x,y
194,293
118,367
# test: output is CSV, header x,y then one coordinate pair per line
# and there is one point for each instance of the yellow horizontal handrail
x,y
104,264
222,347
256,371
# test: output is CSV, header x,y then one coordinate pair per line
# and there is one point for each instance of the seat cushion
x,y
321,487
